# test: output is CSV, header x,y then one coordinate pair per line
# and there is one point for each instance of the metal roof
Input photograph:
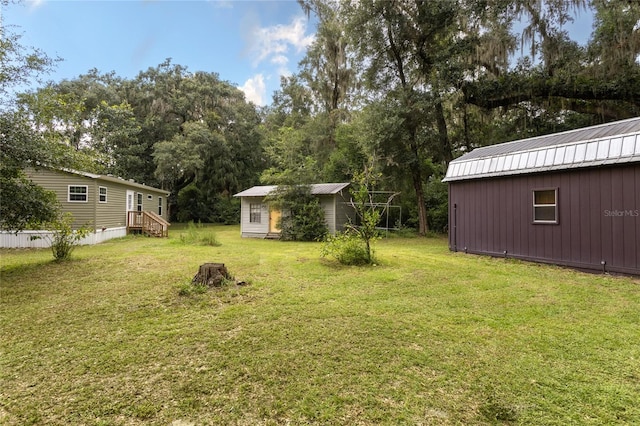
x,y
316,189
611,143
110,178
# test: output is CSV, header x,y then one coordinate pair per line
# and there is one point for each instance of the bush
x,y
302,215
347,248
225,210
192,204
437,198
65,238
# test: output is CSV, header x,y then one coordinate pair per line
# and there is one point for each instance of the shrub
x,y
225,210
348,248
437,198
302,215
65,238
367,211
192,204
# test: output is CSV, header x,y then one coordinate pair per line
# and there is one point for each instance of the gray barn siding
x,y
248,229
333,206
495,215
328,203
343,212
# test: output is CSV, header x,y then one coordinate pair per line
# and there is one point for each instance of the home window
x,y
77,194
149,197
102,194
139,201
545,206
255,211
159,206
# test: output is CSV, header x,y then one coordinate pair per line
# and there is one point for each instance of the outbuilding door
x,y
274,217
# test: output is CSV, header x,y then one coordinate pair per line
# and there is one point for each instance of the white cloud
x,y
280,60
222,4
34,4
255,90
273,44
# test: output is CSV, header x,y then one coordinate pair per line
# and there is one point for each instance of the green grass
x,y
425,337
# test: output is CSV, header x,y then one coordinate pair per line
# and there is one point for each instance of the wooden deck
x,y
147,223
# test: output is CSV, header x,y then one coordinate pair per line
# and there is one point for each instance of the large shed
x,y
570,198
258,219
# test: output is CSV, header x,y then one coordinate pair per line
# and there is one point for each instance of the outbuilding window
x,y
77,194
545,206
255,211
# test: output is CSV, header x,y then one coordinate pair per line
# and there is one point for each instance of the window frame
x,y
160,206
538,206
255,211
86,193
100,194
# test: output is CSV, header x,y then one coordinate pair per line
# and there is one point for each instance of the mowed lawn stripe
x,y
424,337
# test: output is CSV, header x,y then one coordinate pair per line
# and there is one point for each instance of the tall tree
x,y
22,203
212,134
601,80
328,70
410,50
289,137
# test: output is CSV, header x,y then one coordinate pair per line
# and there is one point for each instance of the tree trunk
x,y
211,274
443,135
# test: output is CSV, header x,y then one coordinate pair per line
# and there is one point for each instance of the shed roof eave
x,y
316,189
113,179
584,165
610,130
613,143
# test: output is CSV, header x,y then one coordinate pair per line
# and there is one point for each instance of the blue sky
x,y
248,43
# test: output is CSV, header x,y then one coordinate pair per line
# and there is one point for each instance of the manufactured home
x,y
570,198
259,220
112,207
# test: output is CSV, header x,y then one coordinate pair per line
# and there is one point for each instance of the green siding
x,y
83,212
111,214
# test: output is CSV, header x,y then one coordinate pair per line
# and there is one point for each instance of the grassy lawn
x,y
425,337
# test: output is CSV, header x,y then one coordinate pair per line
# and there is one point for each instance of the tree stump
x,y
212,275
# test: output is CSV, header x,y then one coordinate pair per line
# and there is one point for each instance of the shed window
x,y
545,206
255,211
159,206
102,194
77,194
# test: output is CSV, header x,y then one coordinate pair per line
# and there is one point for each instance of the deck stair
x,y
148,223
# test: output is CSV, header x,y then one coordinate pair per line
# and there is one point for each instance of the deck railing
x,y
148,223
